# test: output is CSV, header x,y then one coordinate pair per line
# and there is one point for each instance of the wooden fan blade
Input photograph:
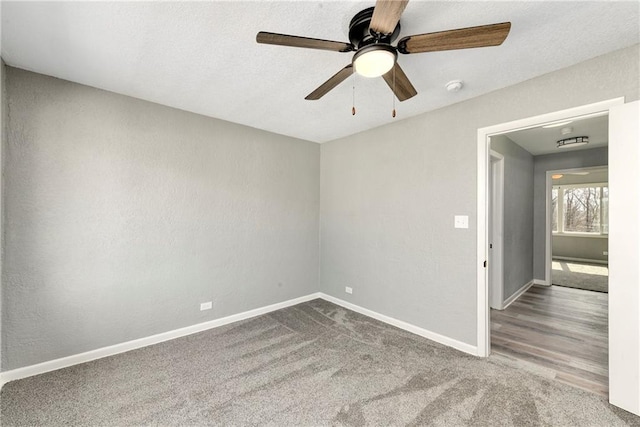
x,y
402,87
386,15
334,81
296,41
463,38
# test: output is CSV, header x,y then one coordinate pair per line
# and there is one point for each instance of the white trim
x,y
548,232
517,294
52,365
481,215
587,235
496,228
585,260
459,345
482,273
540,282
583,184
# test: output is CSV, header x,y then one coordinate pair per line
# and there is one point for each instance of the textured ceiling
x,y
202,56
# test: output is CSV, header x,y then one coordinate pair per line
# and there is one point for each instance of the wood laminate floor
x,y
561,332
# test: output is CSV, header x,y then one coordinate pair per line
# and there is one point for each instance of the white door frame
x,y
496,228
483,343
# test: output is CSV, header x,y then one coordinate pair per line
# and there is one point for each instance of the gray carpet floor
x,y
590,277
312,364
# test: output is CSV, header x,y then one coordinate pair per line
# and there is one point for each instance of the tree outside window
x,y
584,208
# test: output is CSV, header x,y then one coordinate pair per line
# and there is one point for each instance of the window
x,y
581,208
554,209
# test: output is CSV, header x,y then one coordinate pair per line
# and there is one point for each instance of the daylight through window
x,y
580,208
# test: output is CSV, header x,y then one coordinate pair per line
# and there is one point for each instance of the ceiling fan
x,y
560,175
371,33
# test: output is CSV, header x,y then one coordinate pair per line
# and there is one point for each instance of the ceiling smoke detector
x,y
566,131
454,85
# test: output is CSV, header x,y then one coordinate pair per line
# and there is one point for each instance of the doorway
x,y
545,328
625,249
578,228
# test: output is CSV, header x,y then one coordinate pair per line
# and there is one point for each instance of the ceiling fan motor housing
x,y
359,33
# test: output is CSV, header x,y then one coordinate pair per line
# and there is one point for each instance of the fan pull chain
x,y
353,100
393,94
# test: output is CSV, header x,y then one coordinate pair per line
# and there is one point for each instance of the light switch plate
x,y
461,221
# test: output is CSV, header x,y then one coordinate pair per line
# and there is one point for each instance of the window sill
x,y
591,236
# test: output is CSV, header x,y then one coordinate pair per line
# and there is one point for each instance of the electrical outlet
x,y
348,290
605,253
206,306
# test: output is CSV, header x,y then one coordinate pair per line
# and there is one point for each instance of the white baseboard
x,y
584,260
99,353
52,365
517,294
541,282
459,345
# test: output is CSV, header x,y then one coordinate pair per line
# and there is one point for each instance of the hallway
x,y
560,332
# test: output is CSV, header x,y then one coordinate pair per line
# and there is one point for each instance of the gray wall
x,y
389,195
588,248
542,164
518,214
123,216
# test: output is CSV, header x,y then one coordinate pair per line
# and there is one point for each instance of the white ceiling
x,y
203,57
540,140
583,176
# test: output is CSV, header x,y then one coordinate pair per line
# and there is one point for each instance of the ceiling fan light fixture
x,y
374,60
371,32
575,141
